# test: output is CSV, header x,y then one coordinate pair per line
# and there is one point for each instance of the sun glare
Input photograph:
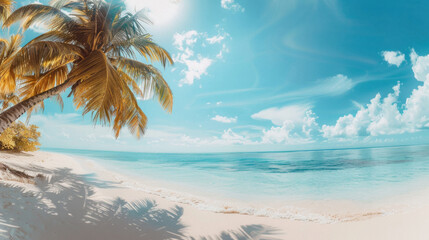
x,y
161,12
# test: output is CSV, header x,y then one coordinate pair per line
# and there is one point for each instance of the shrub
x,y
19,137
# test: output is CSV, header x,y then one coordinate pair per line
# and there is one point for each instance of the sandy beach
x,y
78,199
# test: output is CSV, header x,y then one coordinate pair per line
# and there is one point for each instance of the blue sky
x,y
266,75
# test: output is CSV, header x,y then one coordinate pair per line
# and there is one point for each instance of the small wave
x,y
230,207
243,208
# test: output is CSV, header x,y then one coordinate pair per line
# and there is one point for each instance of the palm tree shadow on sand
x,y
61,208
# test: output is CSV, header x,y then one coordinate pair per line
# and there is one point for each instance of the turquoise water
x,y
349,174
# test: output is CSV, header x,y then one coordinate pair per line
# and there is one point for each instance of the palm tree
x,y
5,9
8,50
91,48
7,99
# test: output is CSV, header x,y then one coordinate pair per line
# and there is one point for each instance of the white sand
x,y
81,200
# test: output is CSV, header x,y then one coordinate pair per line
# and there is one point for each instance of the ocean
x,y
361,174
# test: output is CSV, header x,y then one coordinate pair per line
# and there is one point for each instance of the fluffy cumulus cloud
x,y
416,112
223,119
196,65
383,116
420,66
393,57
293,132
294,124
231,5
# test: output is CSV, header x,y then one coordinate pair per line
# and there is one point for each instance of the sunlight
x,y
160,12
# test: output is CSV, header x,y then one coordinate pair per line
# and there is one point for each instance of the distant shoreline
x,y
231,152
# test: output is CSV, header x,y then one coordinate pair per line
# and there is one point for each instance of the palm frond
x,y
43,55
130,24
56,36
5,8
149,78
130,114
143,44
60,3
7,100
132,84
7,81
38,13
8,50
99,87
32,85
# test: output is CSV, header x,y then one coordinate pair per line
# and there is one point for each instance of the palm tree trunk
x,y
13,113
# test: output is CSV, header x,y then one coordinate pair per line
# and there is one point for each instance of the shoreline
x,y
319,211
109,185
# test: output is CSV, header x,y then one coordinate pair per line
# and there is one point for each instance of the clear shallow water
x,y
349,174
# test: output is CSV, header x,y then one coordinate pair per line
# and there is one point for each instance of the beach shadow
x,y
254,232
60,207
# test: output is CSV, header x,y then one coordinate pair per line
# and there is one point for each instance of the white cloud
x,y
229,137
293,132
379,117
195,69
196,65
224,49
420,66
224,119
416,112
218,39
215,39
56,127
393,57
291,113
295,124
188,38
231,5
331,86
383,116
335,85
72,131
278,134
